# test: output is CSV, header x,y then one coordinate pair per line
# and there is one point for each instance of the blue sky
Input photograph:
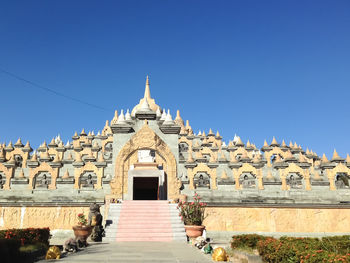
x,y
255,68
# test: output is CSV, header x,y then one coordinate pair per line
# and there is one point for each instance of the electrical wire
x,y
53,91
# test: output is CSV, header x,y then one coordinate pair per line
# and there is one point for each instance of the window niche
x,y
201,180
247,181
342,181
42,181
87,181
294,181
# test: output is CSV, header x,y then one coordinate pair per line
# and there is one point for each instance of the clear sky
x,y
255,68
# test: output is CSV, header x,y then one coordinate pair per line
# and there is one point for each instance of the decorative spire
x,y
66,174
121,118
224,175
335,155
324,159
265,144
162,118
83,132
128,116
210,133
147,94
347,158
178,120
283,143
144,106
239,142
302,158
56,159
217,134
34,157
19,143
115,118
248,144
274,141
168,120
100,158
158,113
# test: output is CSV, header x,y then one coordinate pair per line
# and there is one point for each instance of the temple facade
x,y
146,154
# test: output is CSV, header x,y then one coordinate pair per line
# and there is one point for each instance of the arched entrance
x,y
122,185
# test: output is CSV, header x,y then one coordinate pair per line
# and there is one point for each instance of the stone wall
x,y
231,219
62,218
278,220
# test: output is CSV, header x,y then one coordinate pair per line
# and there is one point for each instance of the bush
x,y
296,249
246,241
27,236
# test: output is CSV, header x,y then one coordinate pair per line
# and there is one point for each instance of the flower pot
x,y
82,232
194,231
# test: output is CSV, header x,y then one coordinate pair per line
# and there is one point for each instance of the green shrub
x,y
27,236
246,241
303,250
296,249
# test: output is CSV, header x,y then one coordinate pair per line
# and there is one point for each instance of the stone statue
x,y
43,183
341,181
247,182
294,183
95,220
89,182
202,181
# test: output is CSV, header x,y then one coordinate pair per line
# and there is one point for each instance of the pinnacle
x,y
147,94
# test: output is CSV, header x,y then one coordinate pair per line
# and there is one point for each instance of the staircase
x,y
144,221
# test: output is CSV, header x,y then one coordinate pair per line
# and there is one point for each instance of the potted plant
x,y
82,231
192,213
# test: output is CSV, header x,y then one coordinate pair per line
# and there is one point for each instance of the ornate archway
x,y
145,138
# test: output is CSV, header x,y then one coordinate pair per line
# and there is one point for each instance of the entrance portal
x,y
146,188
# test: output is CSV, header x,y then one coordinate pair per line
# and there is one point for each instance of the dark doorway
x,y
145,188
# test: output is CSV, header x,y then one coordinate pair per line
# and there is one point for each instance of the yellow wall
x,y
52,217
309,220
306,220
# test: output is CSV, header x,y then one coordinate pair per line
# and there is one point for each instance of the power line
x,y
53,91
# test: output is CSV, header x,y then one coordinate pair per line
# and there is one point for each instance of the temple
x,y
146,154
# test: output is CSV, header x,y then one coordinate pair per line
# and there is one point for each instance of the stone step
x,y
144,221
176,227
149,234
144,239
